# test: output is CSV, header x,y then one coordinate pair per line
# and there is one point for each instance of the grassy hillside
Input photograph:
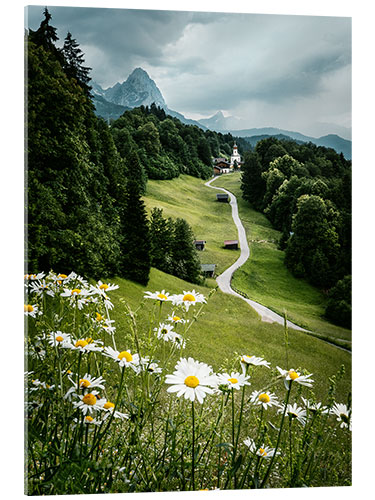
x,y
189,198
265,278
229,326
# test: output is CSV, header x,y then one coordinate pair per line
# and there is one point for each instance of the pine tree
x,y
136,259
185,259
73,63
161,237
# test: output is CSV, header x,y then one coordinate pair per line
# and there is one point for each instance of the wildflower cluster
x,y
123,413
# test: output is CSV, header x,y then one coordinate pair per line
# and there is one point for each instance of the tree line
x,y
305,191
85,180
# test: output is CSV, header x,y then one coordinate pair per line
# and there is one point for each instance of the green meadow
x,y
229,326
265,279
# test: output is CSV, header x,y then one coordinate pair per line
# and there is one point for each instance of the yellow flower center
x,y
126,355
99,317
176,318
81,343
89,419
62,276
108,405
89,399
191,381
344,417
59,338
189,297
28,308
68,372
164,331
264,398
293,415
103,286
75,291
89,340
84,382
233,380
263,452
293,375
162,296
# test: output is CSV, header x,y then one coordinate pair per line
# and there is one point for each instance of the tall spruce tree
x,y
161,238
73,63
136,259
185,260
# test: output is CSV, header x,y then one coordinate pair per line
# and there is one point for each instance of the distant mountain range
x,y
139,89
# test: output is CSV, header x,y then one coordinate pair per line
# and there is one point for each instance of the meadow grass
x,y
265,279
187,197
229,328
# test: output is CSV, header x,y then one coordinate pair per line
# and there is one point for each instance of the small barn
x,y
231,244
208,270
199,244
222,197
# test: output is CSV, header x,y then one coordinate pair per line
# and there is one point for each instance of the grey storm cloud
x,y
282,66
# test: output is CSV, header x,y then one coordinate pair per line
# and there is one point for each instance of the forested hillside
x,y
86,179
305,191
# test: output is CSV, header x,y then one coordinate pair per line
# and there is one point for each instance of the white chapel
x,y
235,156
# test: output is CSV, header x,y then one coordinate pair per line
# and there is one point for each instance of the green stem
x,y
193,447
278,437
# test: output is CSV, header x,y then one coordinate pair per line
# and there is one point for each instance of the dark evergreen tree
x,y
161,238
185,259
73,63
135,237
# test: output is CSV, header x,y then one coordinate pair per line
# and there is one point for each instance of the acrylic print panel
x,y
188,271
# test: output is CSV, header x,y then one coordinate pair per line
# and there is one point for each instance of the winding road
x,y
224,280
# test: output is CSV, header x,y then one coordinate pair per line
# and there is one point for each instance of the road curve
x,y
224,280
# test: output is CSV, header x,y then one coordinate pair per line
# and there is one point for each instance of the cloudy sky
x,y
291,72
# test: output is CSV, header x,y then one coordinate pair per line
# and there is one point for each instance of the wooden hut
x,y
231,244
208,270
222,197
199,244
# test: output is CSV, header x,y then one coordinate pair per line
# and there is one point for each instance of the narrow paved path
x,y
224,280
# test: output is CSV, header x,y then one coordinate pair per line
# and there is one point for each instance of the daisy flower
x,y
234,381
191,379
314,407
33,277
40,286
149,366
84,345
265,399
178,340
37,384
266,452
162,296
292,375
109,408
164,331
102,288
31,310
294,411
123,358
88,420
88,402
87,382
187,299
175,319
253,360
58,338
343,415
